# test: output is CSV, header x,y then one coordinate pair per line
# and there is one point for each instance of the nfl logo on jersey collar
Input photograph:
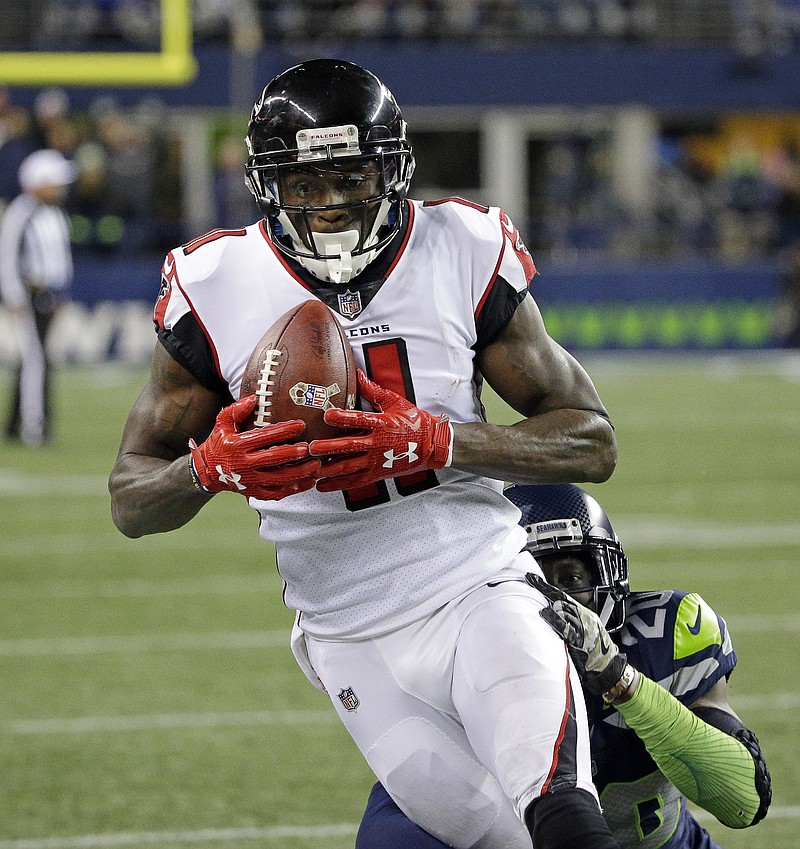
x,y
350,303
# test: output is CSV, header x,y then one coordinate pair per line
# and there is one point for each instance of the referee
x,y
35,276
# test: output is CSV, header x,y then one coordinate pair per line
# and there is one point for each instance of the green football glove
x,y
599,662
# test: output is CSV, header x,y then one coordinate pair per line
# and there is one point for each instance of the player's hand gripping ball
x,y
302,366
258,463
397,439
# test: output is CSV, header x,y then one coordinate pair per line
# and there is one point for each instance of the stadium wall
x,y
669,307
574,74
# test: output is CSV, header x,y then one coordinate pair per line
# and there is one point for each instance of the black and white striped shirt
x,y
35,250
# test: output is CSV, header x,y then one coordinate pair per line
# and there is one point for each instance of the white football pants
x,y
466,716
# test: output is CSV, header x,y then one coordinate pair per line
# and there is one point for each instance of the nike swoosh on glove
x,y
599,662
398,439
256,463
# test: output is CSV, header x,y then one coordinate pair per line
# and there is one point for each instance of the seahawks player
x,y
662,730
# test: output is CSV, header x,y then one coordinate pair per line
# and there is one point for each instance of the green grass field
x,y
148,696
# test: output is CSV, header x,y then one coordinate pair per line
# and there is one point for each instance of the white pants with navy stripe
x,y
465,716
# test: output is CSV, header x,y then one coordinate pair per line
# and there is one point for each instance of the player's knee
x,y
443,789
442,799
385,826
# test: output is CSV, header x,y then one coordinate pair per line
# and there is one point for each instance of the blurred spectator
x,y
234,22
760,28
15,34
233,204
786,326
787,207
415,19
745,222
682,205
755,27
16,142
786,317
137,22
50,115
66,23
88,197
131,170
35,276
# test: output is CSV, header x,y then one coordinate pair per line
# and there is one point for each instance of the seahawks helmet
x,y
563,519
328,119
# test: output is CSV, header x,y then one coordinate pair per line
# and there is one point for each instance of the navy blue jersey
x,y
672,637
677,640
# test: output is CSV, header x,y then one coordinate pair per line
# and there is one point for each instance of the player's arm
x,y
567,435
154,487
704,750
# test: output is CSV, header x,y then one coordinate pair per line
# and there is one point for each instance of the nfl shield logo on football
x,y
350,303
316,396
349,699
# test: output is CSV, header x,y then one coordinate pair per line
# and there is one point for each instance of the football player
x,y
654,745
461,698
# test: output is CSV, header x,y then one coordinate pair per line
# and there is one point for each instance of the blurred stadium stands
x,y
750,25
649,150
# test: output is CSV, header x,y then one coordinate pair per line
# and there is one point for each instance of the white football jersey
x,y
366,562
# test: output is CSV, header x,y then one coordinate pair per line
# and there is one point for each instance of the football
x,y
302,366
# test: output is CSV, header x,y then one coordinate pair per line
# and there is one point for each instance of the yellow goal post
x,y
173,65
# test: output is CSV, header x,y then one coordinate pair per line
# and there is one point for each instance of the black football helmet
x,y
564,519
329,119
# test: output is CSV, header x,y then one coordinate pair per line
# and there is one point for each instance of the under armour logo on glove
x,y
262,462
380,441
233,478
408,454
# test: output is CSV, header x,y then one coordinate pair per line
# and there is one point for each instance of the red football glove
x,y
254,462
398,439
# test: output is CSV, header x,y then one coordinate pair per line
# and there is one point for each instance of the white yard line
x,y
776,812
277,832
140,587
238,640
36,485
637,531
103,542
60,646
762,623
156,721
206,835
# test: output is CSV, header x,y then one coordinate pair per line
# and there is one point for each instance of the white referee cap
x,y
45,168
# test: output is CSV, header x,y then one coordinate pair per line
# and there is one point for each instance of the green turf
x,y
146,686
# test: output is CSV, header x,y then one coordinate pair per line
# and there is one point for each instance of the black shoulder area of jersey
x,y
187,344
497,310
